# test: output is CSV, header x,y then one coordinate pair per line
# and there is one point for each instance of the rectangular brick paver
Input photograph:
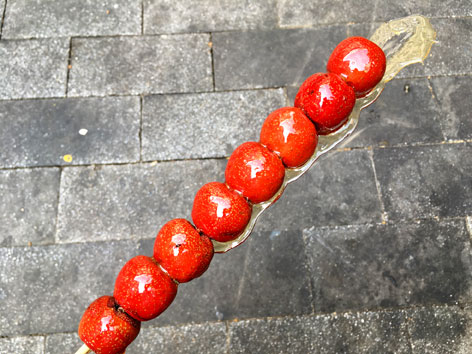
x,y
345,333
91,130
22,345
265,276
385,266
168,16
256,59
30,19
129,201
29,206
140,65
46,289
340,189
33,68
425,181
453,95
445,330
204,125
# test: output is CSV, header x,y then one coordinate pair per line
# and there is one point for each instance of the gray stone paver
x,y
62,343
425,181
344,333
253,280
90,130
32,19
29,206
255,59
140,65
22,345
387,266
58,282
340,189
33,68
453,95
204,125
450,55
129,201
441,330
168,16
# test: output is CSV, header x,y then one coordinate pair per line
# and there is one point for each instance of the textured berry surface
x,y
182,251
327,100
288,132
219,212
360,62
143,289
254,171
105,329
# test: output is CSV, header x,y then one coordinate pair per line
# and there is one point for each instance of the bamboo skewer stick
x,y
83,350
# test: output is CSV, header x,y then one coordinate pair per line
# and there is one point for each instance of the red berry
x,y
288,132
327,100
143,289
360,62
254,171
219,212
105,328
182,251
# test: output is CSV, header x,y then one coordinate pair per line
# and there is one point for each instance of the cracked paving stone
x,y
258,59
204,125
30,19
33,68
453,95
340,189
385,266
383,332
441,330
140,65
22,345
90,130
29,206
425,181
265,276
129,201
170,16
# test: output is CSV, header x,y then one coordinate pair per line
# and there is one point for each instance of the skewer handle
x,y
83,350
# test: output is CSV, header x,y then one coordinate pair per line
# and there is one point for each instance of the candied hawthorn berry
x,y
105,328
360,62
142,288
219,212
288,132
255,171
182,251
327,100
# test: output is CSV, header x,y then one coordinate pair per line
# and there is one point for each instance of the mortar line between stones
x,y
142,17
408,334
212,58
58,199
69,66
378,187
310,283
4,12
140,133
468,225
45,338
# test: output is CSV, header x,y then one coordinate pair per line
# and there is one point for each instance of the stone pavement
x,y
114,112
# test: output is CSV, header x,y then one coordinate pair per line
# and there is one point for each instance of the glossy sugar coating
x,y
219,212
289,132
327,100
143,289
106,329
182,251
360,62
254,171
